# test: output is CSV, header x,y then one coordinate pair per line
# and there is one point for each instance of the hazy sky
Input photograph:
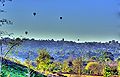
x,y
87,20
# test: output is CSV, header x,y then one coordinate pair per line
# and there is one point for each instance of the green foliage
x,y
108,55
105,55
93,58
118,68
43,54
65,67
101,58
55,67
107,71
118,59
43,60
85,71
93,67
77,64
15,71
28,63
108,60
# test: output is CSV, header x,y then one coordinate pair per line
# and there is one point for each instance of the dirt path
x,y
85,76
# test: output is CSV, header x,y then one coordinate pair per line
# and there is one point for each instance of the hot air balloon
x,y
60,20
60,17
26,32
34,13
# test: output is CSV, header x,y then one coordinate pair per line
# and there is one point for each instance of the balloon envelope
x,y
26,32
60,17
34,13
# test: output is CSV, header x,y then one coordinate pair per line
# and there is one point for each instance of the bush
x,y
107,72
93,67
118,68
86,72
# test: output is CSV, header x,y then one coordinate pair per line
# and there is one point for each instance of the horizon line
x,y
80,40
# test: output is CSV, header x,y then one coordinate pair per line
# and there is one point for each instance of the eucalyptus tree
x,y
3,33
43,60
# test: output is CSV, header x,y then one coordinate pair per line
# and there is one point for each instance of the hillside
x,y
12,69
61,50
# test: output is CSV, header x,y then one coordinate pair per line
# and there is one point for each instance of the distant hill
x,y
61,50
17,70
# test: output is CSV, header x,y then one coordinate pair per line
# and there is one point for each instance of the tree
x,y
55,67
65,67
77,65
118,67
118,59
12,43
108,55
93,67
43,60
107,71
93,58
28,64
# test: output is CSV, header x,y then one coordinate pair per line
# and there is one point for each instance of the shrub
x,y
85,71
118,68
77,65
107,72
93,67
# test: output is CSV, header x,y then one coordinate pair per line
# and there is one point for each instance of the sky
x,y
86,20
